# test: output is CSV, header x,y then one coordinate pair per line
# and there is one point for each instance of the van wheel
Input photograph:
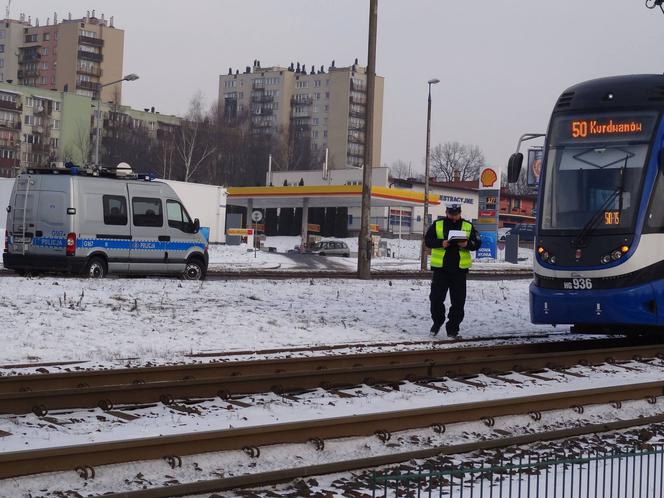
x,y
96,268
194,270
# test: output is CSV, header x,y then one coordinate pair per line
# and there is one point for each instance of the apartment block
x,y
38,127
327,107
72,55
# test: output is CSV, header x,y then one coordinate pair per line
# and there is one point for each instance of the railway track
x,y
18,463
513,274
107,389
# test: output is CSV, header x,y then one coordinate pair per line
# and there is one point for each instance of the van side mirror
x,y
197,225
514,167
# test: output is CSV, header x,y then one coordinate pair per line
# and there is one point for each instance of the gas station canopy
x,y
324,196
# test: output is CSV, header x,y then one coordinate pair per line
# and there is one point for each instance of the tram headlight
x,y
544,255
552,260
624,249
616,255
606,259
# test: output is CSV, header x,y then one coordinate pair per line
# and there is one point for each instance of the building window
x,y
44,50
327,108
2,34
56,124
45,65
57,106
325,133
317,83
316,121
327,95
46,37
30,38
89,34
2,48
29,102
2,63
314,134
55,143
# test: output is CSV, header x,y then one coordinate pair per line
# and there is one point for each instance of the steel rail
x,y
18,463
263,479
506,274
212,274
108,389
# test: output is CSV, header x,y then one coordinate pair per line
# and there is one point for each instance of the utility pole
x,y
427,159
364,240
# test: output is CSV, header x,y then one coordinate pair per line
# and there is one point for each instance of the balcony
x,y
90,56
6,105
88,40
258,111
302,101
358,100
357,114
12,125
261,98
358,87
88,85
26,57
356,138
355,154
91,71
261,123
258,84
27,73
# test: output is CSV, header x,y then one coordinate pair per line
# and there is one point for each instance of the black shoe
x,y
452,333
435,328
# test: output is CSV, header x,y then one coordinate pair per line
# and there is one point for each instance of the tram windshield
x,y
594,180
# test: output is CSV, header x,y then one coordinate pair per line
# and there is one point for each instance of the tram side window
x,y
655,221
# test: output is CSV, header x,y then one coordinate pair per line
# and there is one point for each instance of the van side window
x,y
178,217
147,212
115,209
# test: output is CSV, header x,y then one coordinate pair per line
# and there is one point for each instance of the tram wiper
x,y
579,240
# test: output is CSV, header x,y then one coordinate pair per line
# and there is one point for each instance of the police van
x,y
99,222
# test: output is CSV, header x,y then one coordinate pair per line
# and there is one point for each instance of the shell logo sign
x,y
488,178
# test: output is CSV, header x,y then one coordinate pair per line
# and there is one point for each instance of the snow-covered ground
x,y
50,319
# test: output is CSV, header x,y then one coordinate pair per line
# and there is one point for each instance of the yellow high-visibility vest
x,y
437,254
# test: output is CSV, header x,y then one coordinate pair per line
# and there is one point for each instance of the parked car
x,y
69,221
330,248
502,232
525,231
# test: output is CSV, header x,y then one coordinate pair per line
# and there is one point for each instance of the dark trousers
x,y
455,282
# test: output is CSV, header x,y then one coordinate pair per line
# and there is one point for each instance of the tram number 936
x,y
578,284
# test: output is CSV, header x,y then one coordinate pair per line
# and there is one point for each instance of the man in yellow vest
x,y
450,261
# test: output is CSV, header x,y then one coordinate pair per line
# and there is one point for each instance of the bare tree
x,y
193,145
453,161
401,170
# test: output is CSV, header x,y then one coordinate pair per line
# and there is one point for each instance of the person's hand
x,y
462,243
446,244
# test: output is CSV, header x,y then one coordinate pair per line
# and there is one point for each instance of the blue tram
x,y
599,250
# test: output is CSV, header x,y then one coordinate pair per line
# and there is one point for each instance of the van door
x,y
105,226
148,229
24,209
181,232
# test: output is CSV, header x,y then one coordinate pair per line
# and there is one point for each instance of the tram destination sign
x,y
604,128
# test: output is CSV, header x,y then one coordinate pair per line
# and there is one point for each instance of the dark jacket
x,y
451,259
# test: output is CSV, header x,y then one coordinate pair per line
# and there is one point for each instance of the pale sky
x,y
502,63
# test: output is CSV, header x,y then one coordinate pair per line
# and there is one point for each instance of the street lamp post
x,y
129,77
423,252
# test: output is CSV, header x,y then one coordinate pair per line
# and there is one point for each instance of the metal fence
x,y
629,473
